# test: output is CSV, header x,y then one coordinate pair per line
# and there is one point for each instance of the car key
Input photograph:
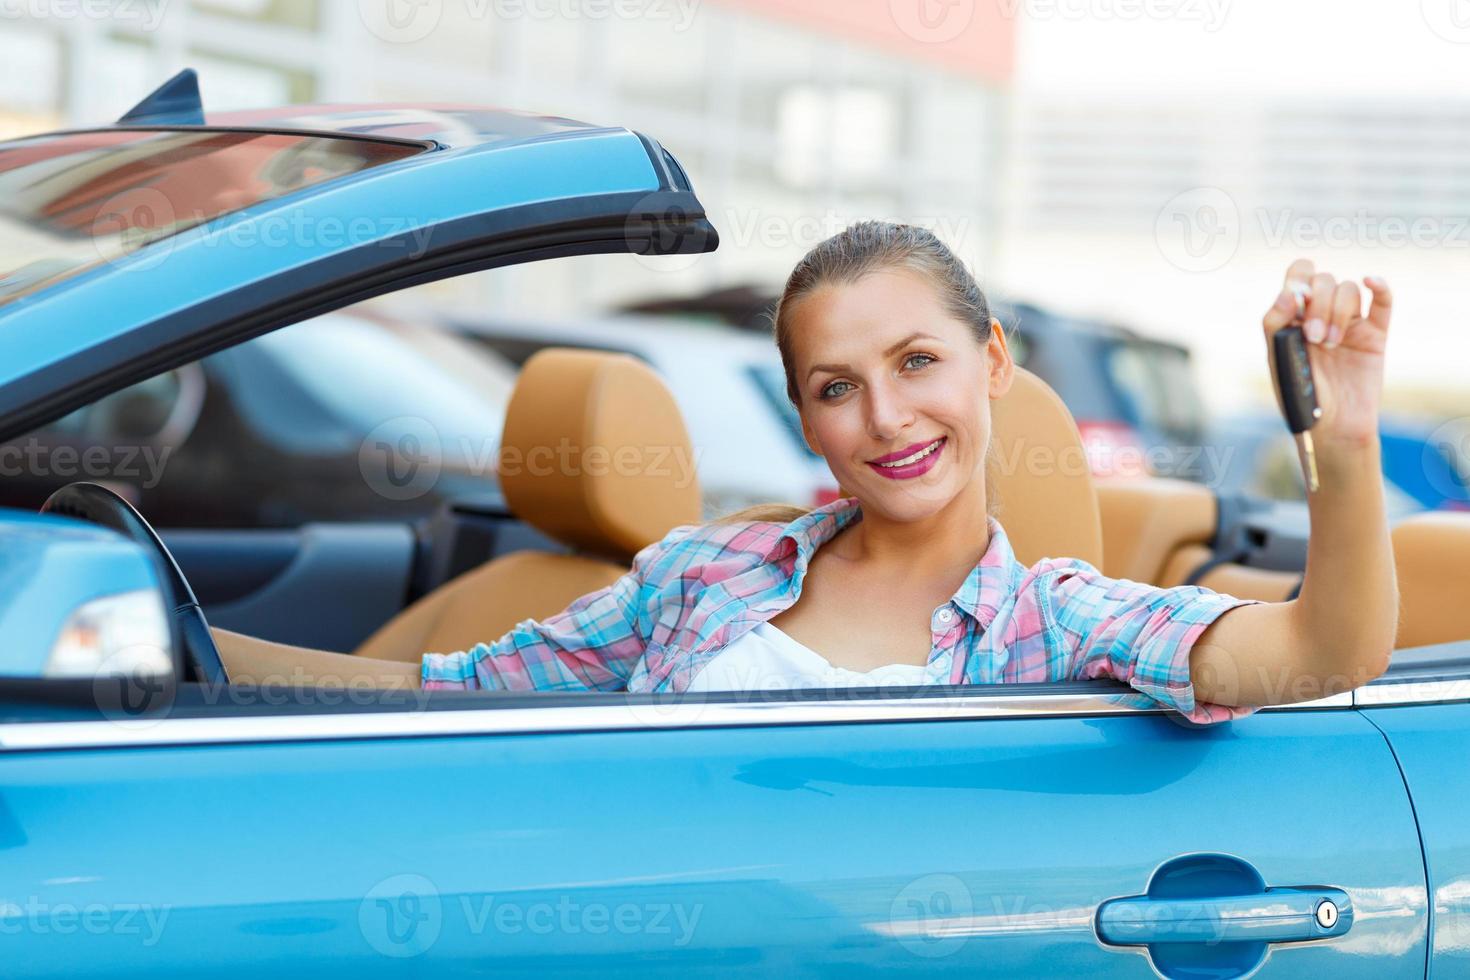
x,y
1296,387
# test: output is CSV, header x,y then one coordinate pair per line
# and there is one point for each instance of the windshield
x,y
74,201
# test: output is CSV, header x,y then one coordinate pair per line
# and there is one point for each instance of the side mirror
x,y
81,605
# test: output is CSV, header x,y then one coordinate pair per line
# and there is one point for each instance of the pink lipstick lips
x,y
911,461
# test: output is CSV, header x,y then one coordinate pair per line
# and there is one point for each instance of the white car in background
x,y
728,383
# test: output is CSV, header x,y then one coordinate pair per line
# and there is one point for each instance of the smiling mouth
x,y
914,457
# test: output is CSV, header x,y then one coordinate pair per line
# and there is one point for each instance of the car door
x,y
1423,710
1002,832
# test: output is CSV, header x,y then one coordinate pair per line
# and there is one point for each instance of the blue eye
x,y
915,361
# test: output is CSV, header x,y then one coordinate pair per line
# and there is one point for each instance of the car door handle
x,y
1275,915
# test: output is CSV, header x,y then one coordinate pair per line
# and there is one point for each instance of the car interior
x,y
568,530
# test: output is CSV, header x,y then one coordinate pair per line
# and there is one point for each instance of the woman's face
x,y
895,392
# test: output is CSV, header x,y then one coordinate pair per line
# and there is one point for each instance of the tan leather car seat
x,y
1430,555
1040,478
1146,521
1234,578
1159,531
595,454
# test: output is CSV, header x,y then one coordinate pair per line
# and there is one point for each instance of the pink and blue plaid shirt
x,y
703,586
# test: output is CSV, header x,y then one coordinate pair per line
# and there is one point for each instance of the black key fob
x,y
1294,379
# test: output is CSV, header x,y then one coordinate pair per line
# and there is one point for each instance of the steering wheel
x,y
99,505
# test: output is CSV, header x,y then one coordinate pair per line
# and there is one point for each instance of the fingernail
x,y
1334,336
1315,330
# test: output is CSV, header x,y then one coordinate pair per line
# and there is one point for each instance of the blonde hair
x,y
774,513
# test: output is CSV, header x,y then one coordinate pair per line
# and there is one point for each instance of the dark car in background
x,y
350,416
1135,398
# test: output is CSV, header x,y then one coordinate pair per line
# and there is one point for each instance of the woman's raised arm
x,y
1339,632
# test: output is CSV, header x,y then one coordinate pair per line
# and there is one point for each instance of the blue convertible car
x,y
160,818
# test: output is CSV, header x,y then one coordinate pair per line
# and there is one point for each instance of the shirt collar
x,y
803,536
989,584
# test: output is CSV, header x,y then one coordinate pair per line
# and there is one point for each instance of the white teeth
x,y
907,460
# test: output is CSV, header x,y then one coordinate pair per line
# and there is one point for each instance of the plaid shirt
x,y
703,586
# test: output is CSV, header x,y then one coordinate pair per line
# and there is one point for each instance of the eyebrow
x,y
839,368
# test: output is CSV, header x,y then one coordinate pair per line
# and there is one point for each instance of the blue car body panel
x,y
948,848
1432,744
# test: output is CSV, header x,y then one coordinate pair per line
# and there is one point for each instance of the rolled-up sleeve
x,y
592,645
1137,633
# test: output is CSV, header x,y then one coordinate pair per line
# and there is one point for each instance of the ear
x,y
998,357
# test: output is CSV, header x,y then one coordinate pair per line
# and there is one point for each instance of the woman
x,y
892,359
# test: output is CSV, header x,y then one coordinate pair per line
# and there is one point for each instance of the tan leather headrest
x,y
1429,556
1040,476
595,453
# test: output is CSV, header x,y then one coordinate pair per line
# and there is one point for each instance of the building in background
x,y
1179,212
1166,162
793,117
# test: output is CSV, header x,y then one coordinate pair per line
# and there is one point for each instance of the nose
x,y
888,413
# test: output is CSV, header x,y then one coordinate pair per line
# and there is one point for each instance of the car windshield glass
x,y
74,201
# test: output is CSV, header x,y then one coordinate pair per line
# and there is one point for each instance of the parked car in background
x,y
291,427
1134,398
1427,461
1258,458
745,305
729,384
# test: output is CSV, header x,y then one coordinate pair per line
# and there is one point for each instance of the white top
x,y
766,659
